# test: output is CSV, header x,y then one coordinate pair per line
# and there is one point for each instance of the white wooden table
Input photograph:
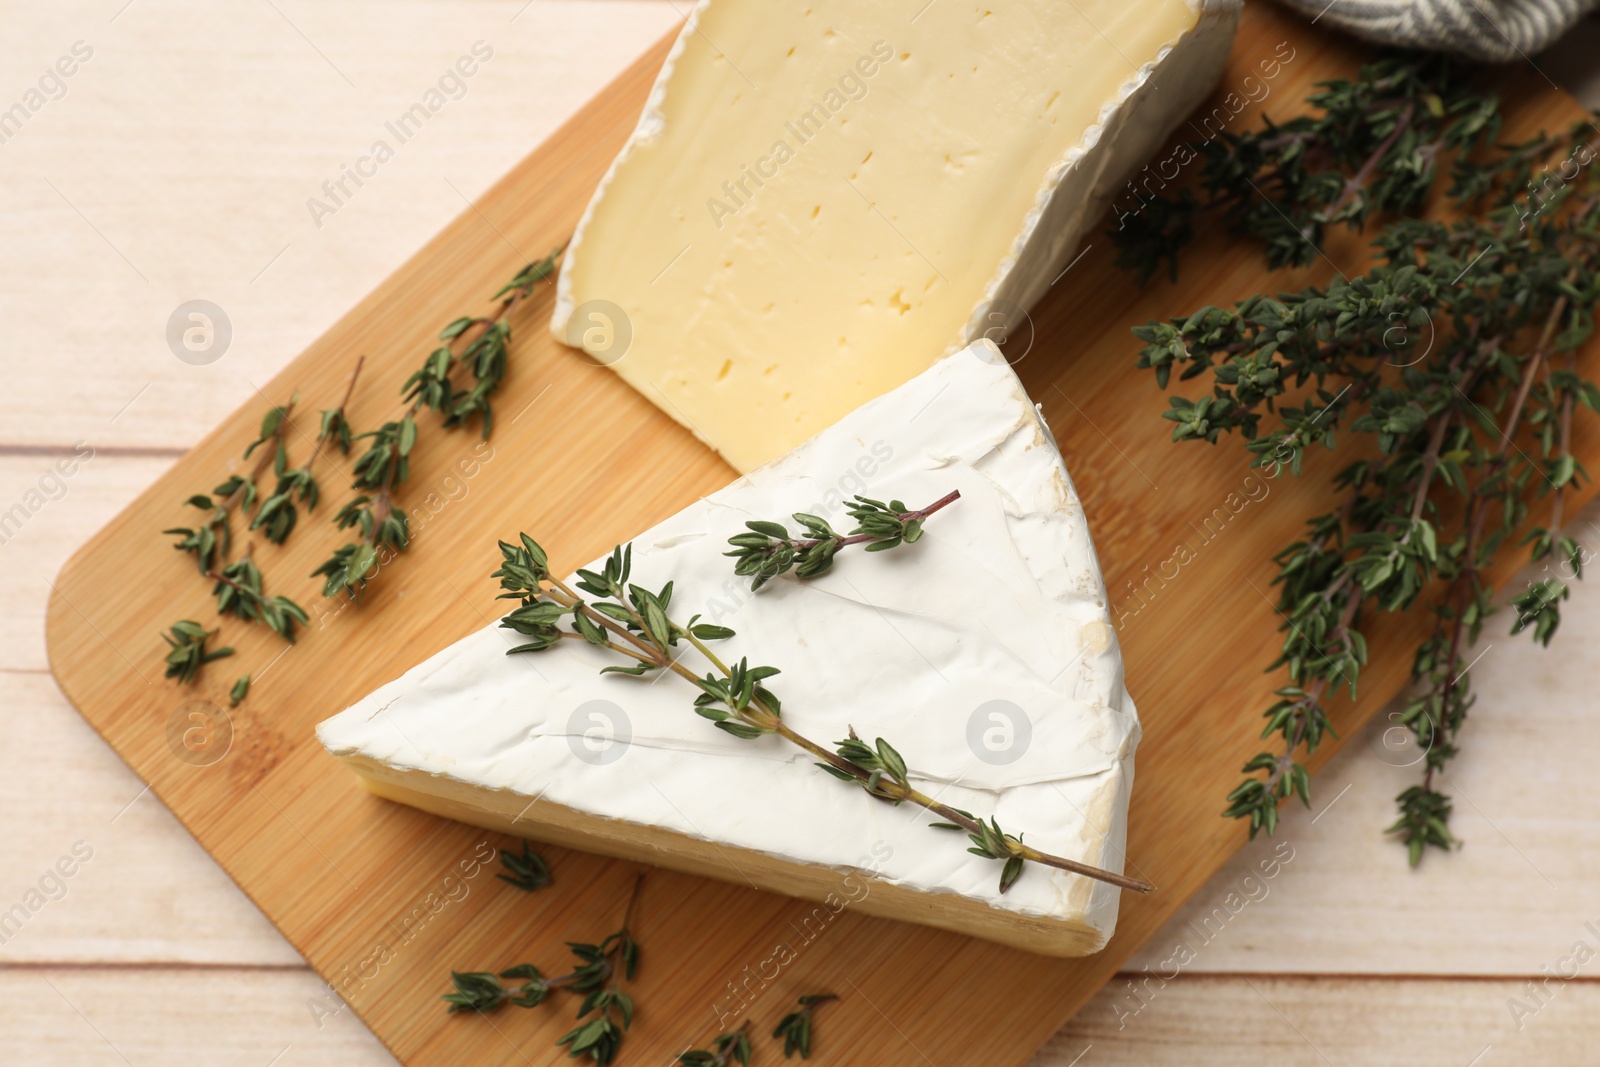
x,y
176,163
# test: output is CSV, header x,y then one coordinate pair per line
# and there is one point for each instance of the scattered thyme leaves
x,y
527,871
796,1027
238,592
731,1047
606,1012
188,653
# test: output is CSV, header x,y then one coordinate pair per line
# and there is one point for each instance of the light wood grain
x,y
160,177
43,517
1289,1022
86,1017
148,893
1348,903
227,1017
1451,935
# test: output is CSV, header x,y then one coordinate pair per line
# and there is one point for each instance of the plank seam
x,y
142,966
1325,976
101,451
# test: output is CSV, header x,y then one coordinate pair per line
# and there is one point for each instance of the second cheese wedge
x,y
821,199
984,651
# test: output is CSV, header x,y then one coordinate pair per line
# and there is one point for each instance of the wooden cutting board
x,y
383,900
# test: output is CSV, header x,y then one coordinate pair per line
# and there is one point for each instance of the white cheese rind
x,y
1148,108
1001,600
919,216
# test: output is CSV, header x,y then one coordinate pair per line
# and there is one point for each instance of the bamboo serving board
x,y
383,900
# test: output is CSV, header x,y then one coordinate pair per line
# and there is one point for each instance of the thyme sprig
x,y
731,1047
767,549
214,534
278,513
384,465
634,623
527,871
796,1027
238,592
1453,358
456,380
605,1013
1373,148
188,652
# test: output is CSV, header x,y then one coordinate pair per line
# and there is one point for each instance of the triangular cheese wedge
x,y
984,652
823,198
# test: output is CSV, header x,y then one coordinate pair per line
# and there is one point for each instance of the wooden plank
x,y
144,890
205,198
218,1016
321,860
1314,1022
251,1015
49,501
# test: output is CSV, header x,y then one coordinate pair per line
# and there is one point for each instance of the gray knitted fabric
x,y
1494,30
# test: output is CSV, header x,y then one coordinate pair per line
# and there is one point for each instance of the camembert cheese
x,y
821,199
984,652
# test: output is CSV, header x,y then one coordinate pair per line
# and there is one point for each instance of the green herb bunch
x,y
237,584
457,380
1374,147
1448,368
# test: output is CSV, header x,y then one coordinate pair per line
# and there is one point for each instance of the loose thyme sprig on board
x,y
238,592
188,654
729,1048
471,348
599,972
1459,342
634,623
278,514
237,584
768,551
795,1029
527,871
214,534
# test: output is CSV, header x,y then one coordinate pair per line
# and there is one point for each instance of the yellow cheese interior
x,y
831,190
861,891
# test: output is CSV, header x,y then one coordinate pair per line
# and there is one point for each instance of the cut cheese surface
x,y
822,199
984,652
